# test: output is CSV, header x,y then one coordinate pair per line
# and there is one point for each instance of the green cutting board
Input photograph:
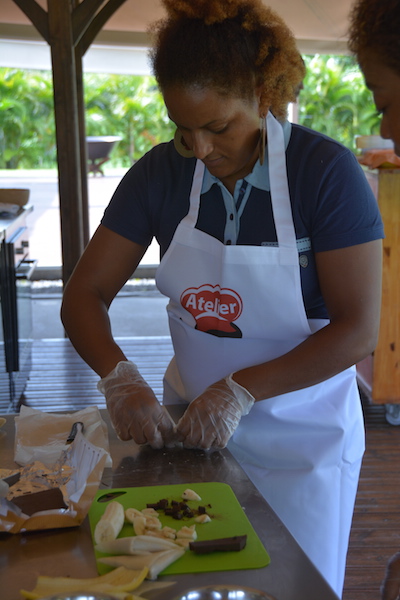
x,y
228,520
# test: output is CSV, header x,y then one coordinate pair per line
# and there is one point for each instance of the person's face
x,y
222,131
384,82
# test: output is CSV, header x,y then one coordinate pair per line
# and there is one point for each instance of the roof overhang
x,y
320,27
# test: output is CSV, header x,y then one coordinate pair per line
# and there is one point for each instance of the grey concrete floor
x,y
137,311
44,220
132,313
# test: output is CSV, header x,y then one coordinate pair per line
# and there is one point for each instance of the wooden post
x,y
386,361
69,27
67,133
82,148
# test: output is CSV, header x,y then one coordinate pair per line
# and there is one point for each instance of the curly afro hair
x,y
375,24
231,45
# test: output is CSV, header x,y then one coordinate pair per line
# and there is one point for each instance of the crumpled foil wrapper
x,y
38,478
77,474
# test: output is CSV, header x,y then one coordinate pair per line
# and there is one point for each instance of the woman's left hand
x,y
210,420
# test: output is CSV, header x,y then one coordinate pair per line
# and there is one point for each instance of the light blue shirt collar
x,y
259,177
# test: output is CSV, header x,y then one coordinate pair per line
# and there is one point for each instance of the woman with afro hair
x,y
270,244
375,40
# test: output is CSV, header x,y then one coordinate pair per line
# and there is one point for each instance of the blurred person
x,y
270,243
374,38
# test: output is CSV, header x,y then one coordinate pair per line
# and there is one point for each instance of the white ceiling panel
x,y
320,26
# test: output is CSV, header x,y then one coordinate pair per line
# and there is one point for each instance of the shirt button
x,y
228,242
231,216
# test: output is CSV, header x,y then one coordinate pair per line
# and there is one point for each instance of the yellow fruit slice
x,y
118,580
126,596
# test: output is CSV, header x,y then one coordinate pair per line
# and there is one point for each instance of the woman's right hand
x,y
134,409
391,584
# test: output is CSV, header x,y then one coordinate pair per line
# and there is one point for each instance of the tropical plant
x,y
335,100
27,137
129,106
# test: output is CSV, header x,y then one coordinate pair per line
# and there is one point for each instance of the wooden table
x,y
379,374
69,552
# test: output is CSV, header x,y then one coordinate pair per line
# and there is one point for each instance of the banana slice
x,y
155,562
190,495
119,580
138,544
203,518
130,513
188,533
139,525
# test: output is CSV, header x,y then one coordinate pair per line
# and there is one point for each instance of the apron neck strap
x,y
280,196
191,217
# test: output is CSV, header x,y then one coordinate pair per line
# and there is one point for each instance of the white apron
x,y
303,449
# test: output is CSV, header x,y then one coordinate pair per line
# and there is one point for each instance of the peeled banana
x,y
110,523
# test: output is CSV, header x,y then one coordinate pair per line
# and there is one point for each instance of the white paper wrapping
x,y
41,436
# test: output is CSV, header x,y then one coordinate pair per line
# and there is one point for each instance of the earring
x,y
263,134
181,146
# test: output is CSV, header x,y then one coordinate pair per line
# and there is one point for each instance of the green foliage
x,y
126,105
130,106
335,100
27,132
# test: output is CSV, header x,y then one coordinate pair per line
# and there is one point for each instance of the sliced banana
x,y
149,512
110,523
139,525
168,532
203,518
138,544
188,533
183,542
189,494
131,513
155,562
153,523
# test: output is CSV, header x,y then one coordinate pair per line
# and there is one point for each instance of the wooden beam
x,y
98,22
82,147
69,27
82,16
36,14
67,133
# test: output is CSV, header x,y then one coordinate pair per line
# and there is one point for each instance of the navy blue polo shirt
x,y
332,203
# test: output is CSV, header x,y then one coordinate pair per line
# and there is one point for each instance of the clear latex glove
x,y
390,588
210,420
134,409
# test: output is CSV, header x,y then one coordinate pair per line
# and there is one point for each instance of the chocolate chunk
x,y
232,544
45,500
160,505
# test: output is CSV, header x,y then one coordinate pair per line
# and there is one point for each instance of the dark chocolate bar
x,y
37,501
231,544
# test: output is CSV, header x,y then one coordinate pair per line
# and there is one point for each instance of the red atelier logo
x,y
214,309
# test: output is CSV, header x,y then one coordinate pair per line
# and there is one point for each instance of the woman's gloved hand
x,y
211,418
134,409
390,588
